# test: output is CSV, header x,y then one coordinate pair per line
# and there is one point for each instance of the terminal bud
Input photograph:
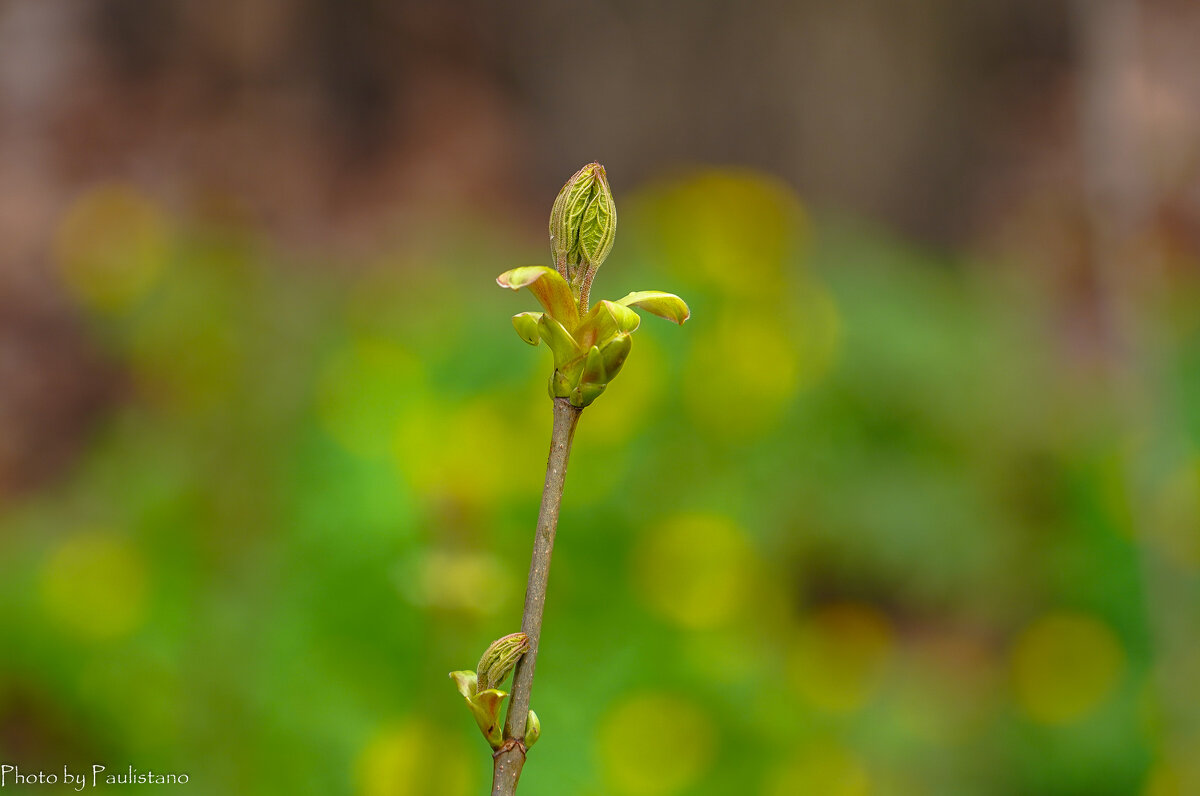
x,y
583,224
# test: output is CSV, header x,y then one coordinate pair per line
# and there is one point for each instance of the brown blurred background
x,y
1037,130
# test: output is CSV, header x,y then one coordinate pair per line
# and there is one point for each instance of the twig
x,y
510,758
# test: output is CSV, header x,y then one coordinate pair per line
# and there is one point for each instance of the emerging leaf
x,y
614,353
550,289
664,305
560,341
593,368
466,682
592,379
627,319
598,325
486,707
526,324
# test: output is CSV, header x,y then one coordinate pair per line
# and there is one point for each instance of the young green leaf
x,y
466,682
593,368
526,324
561,342
486,707
664,305
614,352
548,287
592,379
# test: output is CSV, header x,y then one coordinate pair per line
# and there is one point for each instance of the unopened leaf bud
x,y
500,658
583,223
533,730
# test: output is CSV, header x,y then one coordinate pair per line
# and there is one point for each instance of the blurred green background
x,y
911,505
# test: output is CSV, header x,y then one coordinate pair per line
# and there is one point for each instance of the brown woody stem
x,y
510,758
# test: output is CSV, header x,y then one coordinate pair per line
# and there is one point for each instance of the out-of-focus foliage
x,y
865,529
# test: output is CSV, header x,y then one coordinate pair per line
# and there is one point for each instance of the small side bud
x,y
533,730
500,658
583,224
526,324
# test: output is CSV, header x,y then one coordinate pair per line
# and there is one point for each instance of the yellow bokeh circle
x,y
840,656
111,247
821,769
1177,773
695,570
470,453
1163,780
654,745
734,230
742,373
95,585
1064,665
471,582
413,758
